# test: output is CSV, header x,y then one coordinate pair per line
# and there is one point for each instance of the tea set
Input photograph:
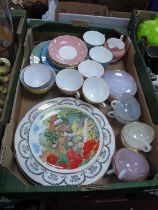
x,y
79,70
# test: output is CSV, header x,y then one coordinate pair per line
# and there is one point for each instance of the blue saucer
x,y
45,59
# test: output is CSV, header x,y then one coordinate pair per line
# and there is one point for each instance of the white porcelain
x,y
101,55
90,68
66,119
67,52
138,135
41,89
69,81
94,38
36,75
120,82
95,90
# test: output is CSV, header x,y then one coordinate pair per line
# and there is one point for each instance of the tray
x,y
11,178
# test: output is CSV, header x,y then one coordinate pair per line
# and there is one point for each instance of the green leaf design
x,y
63,159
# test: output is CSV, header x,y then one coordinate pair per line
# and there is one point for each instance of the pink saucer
x,y
67,50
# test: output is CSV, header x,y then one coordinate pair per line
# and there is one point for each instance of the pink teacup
x,y
129,165
117,47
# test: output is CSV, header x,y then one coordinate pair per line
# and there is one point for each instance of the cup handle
x,y
122,174
121,37
110,172
77,94
114,102
146,147
111,114
103,105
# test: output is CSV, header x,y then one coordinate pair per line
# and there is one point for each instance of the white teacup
x,y
138,135
69,81
101,55
90,68
93,38
95,90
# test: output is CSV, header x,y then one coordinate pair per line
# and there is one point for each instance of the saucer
x,y
67,50
35,56
120,82
45,59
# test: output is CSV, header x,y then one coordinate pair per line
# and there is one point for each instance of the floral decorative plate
x,y
67,50
64,141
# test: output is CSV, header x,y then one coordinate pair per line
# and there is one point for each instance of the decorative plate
x,y
64,141
67,50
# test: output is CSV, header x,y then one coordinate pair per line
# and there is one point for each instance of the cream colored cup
x,y
95,90
138,136
69,81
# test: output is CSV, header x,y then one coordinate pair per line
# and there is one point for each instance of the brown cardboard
x,y
25,100
125,15
81,8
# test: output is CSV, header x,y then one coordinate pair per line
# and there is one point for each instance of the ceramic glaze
x,y
64,141
35,56
36,75
126,109
94,38
38,89
90,68
130,165
138,135
67,51
120,82
117,47
95,89
45,58
69,80
101,55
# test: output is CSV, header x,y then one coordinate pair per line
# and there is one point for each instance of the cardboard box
x,y
147,86
15,55
125,15
13,180
90,14
81,8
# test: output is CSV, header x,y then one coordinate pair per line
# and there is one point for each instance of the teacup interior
x,y
69,80
139,131
115,43
94,38
37,75
100,54
130,106
90,68
95,89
